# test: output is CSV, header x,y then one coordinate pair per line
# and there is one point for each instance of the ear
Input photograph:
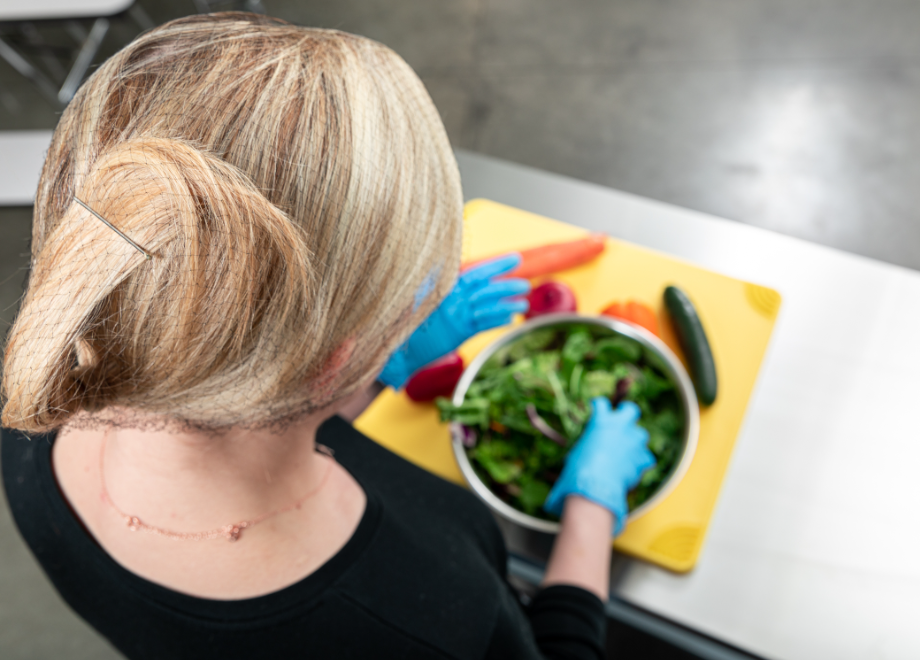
x,y
339,358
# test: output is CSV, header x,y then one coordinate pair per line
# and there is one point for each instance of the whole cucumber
x,y
692,338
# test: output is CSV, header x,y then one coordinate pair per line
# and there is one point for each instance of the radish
x,y
438,378
551,298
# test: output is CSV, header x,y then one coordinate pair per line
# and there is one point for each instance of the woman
x,y
240,224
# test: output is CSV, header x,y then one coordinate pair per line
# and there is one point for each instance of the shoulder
x,y
390,474
438,556
400,483
41,516
22,458
425,506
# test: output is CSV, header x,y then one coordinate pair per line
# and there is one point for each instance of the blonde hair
x,y
297,191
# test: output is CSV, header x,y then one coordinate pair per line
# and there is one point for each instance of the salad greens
x,y
531,400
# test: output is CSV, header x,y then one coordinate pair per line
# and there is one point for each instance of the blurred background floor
x,y
799,116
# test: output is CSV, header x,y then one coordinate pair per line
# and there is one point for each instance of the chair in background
x,y
24,44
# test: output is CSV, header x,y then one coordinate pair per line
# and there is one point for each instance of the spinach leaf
x,y
533,494
618,349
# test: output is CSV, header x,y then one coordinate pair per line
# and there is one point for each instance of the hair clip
x,y
112,227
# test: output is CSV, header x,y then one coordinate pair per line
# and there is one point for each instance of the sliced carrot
x,y
634,312
552,258
497,426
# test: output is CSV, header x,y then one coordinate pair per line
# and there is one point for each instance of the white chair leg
x,y
84,59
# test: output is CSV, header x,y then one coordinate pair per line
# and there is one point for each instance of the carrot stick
x,y
552,258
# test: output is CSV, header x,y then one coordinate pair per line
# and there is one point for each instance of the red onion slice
x,y
540,424
464,434
620,391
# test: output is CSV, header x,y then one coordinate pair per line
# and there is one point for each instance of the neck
x,y
249,457
195,480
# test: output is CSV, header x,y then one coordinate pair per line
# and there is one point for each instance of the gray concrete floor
x,y
800,116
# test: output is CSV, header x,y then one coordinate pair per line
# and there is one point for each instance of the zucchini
x,y
693,341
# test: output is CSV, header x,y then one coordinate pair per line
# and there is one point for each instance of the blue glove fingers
x,y
600,405
454,321
492,317
506,307
486,271
600,411
499,289
628,412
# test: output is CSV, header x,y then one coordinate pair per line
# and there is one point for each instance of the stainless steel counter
x,y
812,550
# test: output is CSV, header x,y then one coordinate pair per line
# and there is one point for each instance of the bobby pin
x,y
112,227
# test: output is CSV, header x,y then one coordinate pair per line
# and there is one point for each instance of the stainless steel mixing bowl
x,y
677,373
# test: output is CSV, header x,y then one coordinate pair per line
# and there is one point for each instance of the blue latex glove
x,y
606,462
476,303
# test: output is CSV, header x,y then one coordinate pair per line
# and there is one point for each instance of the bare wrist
x,y
581,552
580,510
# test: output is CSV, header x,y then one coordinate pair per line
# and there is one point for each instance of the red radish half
x,y
551,298
438,378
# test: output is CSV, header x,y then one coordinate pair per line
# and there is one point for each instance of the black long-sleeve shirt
x,y
423,576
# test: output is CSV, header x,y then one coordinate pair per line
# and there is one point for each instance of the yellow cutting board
x,y
738,317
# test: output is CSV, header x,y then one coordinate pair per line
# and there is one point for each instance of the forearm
x,y
581,553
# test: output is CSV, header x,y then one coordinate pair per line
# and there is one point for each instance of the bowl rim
x,y
648,340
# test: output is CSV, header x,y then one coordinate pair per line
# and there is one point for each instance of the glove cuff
x,y
615,503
